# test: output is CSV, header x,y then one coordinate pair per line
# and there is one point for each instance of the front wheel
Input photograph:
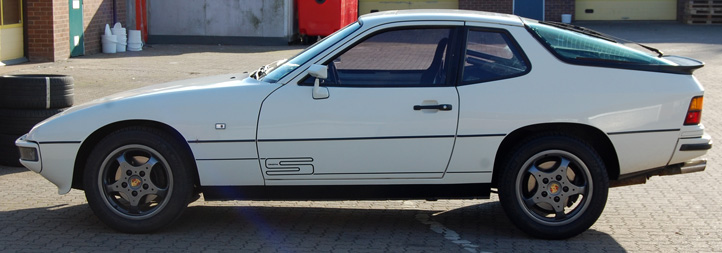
x,y
138,180
554,187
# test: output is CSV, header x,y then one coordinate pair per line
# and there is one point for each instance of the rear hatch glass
x,y
577,45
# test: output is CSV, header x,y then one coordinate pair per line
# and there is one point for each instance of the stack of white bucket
x,y
109,41
134,42
115,40
119,32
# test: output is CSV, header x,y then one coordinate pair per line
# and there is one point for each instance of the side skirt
x,y
348,192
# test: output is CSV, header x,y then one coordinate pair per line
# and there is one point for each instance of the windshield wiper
x,y
593,33
659,52
260,73
263,70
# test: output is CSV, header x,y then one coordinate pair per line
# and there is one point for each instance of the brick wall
x,y
553,9
48,30
61,21
97,13
501,6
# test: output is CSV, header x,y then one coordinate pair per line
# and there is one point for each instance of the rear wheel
x,y
554,187
138,180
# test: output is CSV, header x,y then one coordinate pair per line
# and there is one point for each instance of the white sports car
x,y
399,105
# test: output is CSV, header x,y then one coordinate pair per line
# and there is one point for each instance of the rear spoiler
x,y
684,65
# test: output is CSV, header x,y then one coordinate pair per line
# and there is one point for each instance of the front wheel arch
x,y
595,137
90,143
138,179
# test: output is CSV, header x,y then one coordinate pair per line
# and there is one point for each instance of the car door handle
x,y
441,107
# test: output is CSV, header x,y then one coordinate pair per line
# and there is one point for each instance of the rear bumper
x,y
689,148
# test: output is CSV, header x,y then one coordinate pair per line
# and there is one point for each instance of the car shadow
x,y
486,224
212,227
7,170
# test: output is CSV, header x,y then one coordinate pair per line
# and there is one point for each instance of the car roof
x,y
440,15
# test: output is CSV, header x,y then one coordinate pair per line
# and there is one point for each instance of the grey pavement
x,y
680,213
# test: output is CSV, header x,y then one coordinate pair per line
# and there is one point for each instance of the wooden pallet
x,y
704,11
704,3
704,22
702,19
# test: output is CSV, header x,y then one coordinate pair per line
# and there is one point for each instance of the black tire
x,y
135,196
9,154
554,187
20,121
31,91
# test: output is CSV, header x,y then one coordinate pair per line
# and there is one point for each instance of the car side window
x,y
397,58
492,55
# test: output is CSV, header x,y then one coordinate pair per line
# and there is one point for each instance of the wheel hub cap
x,y
554,188
135,182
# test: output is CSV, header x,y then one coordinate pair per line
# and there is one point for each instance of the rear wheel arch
x,y
595,137
89,143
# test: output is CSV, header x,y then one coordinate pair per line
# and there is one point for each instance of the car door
x,y
390,115
493,75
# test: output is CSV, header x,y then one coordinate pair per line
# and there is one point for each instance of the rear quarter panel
x,y
641,112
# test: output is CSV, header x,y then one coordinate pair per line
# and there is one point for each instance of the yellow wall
x,y
11,43
365,6
626,10
11,31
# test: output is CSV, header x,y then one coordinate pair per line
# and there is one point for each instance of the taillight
x,y
694,113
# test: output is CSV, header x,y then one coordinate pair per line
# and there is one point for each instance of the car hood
x,y
209,82
187,105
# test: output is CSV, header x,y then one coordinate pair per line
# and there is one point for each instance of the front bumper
x,y
30,156
53,160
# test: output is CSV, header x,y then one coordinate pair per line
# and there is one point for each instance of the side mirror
x,y
319,72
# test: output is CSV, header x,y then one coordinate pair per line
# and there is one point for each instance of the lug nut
x,y
565,189
544,194
124,185
545,181
135,193
128,172
142,173
559,177
556,199
145,186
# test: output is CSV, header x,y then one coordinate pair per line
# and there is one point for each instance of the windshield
x,y
310,52
578,47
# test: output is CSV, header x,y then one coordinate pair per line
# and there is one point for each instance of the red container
x,y
323,17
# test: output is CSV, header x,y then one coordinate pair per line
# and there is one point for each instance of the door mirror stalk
x,y
319,72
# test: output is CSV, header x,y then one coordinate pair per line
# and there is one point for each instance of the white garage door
x,y
626,10
368,6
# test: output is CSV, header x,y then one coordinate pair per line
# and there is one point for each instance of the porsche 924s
x,y
398,105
